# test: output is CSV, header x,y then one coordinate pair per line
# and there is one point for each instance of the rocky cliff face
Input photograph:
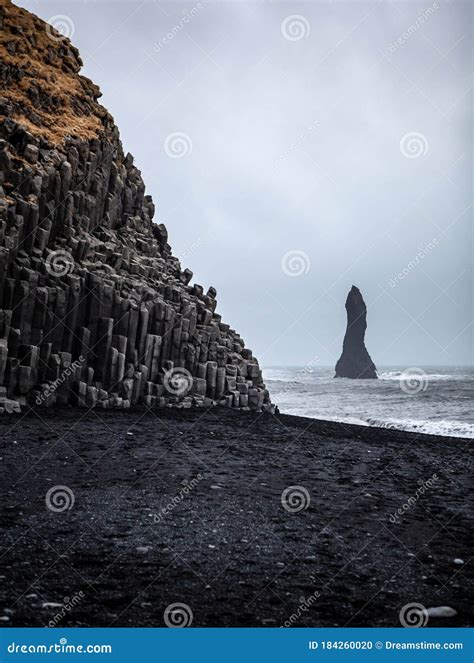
x,y
94,308
355,361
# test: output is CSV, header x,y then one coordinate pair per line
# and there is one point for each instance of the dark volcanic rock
x,y
355,361
95,310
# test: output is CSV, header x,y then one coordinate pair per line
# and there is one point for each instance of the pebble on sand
x,y
458,561
441,611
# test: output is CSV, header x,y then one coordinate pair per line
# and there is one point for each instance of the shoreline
x,y
341,426
186,506
429,400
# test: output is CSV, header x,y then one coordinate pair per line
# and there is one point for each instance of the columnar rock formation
x,y
94,308
355,361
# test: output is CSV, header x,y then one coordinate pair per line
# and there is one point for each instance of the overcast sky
x,y
325,144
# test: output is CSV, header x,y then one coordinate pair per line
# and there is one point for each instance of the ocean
x,y
434,400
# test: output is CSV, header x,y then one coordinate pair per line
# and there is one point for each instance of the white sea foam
x,y
396,375
443,407
442,427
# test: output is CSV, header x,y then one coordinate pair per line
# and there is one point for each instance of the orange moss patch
x,y
41,80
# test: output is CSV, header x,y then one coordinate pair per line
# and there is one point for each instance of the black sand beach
x,y
226,547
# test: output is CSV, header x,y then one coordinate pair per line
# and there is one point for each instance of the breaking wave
x,y
443,407
443,427
396,375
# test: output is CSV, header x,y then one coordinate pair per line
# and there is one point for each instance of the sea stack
x,y
355,361
95,310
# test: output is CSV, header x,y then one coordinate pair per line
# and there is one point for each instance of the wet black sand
x,y
228,549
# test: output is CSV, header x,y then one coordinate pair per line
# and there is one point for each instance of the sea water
x,y
434,400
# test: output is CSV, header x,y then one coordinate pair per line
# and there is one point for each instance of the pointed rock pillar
x,y
355,361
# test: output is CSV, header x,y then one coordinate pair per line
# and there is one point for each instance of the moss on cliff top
x,y
41,85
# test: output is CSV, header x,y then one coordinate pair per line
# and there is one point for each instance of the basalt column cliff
x,y
94,308
355,361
